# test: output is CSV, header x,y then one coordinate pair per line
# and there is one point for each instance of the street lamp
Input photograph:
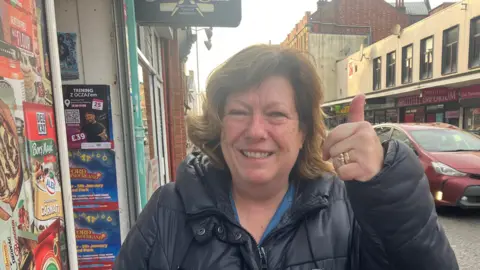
x,y
208,44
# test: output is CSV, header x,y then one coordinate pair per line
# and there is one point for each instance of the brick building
x,y
340,27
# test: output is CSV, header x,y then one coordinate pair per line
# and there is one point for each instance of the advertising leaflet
x,y
94,190
87,116
93,176
98,236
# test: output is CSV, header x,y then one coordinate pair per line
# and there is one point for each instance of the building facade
x,y
428,72
340,27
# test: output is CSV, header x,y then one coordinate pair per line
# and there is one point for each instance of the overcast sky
x,y
262,21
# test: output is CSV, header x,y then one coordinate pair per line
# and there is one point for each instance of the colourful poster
x,y
67,46
43,164
98,236
88,116
21,28
93,176
31,208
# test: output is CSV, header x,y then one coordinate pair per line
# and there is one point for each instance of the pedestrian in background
x,y
261,193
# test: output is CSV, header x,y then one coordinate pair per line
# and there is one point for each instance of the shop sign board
x,y
439,91
179,13
470,92
342,109
427,98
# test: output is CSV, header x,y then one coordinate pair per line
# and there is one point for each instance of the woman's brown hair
x,y
249,68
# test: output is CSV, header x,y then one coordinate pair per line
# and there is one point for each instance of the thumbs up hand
x,y
354,147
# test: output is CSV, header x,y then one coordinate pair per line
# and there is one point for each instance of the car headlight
x,y
441,168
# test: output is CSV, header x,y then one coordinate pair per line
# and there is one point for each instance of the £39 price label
x,y
78,137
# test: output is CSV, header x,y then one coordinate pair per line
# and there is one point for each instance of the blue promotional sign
x,y
98,236
93,176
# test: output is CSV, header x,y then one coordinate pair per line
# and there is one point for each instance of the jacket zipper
x,y
263,258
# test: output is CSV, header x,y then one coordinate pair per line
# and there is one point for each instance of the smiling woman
x,y
292,85
259,193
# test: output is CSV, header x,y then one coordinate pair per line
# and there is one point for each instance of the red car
x,y
450,156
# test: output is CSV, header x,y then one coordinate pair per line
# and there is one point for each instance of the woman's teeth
x,y
256,154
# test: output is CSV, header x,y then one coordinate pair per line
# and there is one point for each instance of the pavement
x,y
463,232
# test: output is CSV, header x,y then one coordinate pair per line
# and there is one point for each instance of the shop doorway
x,y
154,125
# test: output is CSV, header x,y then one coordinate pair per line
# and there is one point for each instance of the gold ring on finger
x,y
346,157
339,161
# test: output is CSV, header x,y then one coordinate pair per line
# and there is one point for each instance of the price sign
x,y
78,137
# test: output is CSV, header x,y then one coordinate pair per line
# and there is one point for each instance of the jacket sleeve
x,y
137,249
398,226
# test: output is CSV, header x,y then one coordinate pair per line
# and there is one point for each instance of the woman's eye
x,y
237,112
276,114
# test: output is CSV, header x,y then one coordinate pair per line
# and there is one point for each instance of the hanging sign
x,y
213,13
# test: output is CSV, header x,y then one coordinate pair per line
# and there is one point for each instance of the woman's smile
x,y
256,154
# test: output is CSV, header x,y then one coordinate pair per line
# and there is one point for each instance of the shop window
x,y
391,68
426,58
472,119
380,117
392,116
407,63
450,50
377,73
474,56
370,117
414,115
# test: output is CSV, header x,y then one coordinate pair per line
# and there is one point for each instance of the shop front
x,y
470,101
432,105
337,115
382,110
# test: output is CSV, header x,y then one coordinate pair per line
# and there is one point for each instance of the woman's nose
x,y
257,128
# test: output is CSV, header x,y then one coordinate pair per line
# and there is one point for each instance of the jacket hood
x,y
204,188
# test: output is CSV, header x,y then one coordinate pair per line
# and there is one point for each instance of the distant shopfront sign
x,y
429,96
179,13
470,92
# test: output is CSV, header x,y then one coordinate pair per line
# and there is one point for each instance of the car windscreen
x,y
446,140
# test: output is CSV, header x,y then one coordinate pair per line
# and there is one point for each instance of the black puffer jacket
x,y
387,223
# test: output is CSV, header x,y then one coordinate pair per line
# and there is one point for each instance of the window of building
x,y
472,119
474,56
407,63
377,73
426,58
450,50
391,68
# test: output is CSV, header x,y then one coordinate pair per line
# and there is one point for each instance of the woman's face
x,y
261,136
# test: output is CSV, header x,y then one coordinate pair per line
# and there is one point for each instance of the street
x,y
463,230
